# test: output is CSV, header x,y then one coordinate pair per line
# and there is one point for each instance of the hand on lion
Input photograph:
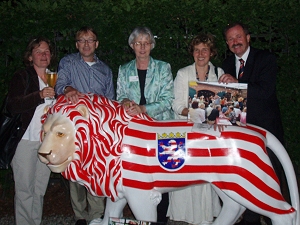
x,y
132,108
72,94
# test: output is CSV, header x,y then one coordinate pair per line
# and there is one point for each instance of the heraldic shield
x,y
171,151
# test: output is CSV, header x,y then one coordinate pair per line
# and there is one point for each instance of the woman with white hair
x,y
145,85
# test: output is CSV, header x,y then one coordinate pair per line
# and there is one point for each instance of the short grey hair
x,y
141,31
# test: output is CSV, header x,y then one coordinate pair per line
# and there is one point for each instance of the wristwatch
x,y
65,89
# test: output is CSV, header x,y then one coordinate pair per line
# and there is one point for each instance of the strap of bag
x,y
216,71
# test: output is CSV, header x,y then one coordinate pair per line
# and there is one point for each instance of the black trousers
x,y
162,209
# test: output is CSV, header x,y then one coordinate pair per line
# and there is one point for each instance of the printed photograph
x,y
215,103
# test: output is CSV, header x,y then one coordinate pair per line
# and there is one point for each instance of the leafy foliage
x,y
273,26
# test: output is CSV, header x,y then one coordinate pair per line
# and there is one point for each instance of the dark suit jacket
x,y
260,75
20,103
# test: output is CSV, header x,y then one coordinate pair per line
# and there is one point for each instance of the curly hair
x,y
206,39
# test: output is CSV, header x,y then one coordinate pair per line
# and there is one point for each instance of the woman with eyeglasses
x,y
196,204
145,85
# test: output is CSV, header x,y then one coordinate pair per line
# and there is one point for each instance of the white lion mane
x,y
98,142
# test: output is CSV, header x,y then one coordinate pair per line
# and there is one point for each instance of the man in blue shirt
x,y
79,73
83,72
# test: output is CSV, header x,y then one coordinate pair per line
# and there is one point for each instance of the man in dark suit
x,y
259,72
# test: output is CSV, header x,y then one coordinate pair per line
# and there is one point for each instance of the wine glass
x,y
51,79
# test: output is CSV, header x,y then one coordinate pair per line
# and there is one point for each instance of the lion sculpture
x,y
133,160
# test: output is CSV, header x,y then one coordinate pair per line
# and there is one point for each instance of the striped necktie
x,y
241,71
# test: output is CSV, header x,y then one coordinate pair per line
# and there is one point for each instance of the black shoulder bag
x,y
10,131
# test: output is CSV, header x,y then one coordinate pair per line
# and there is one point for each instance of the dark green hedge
x,y
274,25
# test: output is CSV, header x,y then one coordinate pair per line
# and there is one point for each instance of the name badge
x,y
133,78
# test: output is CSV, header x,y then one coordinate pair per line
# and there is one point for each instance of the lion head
x,y
58,144
82,141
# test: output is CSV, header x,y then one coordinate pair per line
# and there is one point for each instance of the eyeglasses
x,y
83,41
139,44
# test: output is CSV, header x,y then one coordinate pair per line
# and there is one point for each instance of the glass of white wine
x,y
51,78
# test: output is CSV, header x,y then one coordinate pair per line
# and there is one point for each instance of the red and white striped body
x,y
134,160
234,161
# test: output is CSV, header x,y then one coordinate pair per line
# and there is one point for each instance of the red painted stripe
x,y
162,124
220,184
200,136
229,135
245,137
259,130
247,195
159,184
224,169
142,151
140,134
239,153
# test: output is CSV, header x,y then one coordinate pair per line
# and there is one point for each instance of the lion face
x,y
58,142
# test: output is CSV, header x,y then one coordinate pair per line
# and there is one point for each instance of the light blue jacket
x,y
158,87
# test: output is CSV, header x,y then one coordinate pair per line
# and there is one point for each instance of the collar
x,y
95,57
244,57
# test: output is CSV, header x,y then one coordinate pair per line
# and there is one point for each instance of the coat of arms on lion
x,y
134,160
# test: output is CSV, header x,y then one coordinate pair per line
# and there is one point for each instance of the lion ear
x,y
83,111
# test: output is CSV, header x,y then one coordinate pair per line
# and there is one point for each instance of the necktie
x,y
241,71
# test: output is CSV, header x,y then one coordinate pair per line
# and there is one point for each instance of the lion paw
x,y
155,197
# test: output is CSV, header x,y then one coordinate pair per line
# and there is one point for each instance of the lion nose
x,y
45,154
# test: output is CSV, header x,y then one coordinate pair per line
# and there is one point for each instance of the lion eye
x,y
43,135
60,134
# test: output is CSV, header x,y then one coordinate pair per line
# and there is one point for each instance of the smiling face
x,y
40,56
237,40
201,54
86,49
142,47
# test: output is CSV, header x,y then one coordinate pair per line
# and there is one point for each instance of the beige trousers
x,y
31,178
85,205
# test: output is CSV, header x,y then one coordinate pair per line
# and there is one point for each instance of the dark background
x,y
274,26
